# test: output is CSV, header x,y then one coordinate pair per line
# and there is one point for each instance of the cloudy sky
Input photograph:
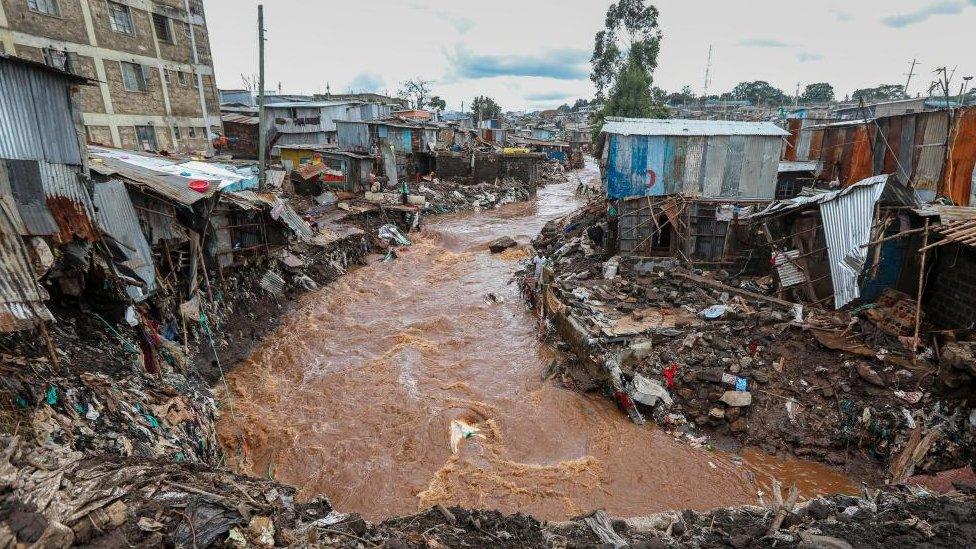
x,y
531,54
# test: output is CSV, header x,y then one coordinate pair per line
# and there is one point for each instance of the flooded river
x,y
353,397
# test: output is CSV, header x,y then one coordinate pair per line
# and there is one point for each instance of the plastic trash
x,y
52,395
741,384
648,392
611,267
390,233
714,312
460,430
199,185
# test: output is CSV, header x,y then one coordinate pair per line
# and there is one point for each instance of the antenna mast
x,y
708,72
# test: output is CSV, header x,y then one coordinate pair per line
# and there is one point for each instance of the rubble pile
x,y
448,196
713,354
552,171
58,497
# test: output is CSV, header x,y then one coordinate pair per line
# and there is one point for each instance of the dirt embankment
x,y
713,358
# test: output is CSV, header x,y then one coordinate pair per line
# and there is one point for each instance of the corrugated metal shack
x,y
911,146
40,151
678,187
413,143
314,122
819,241
44,200
241,132
712,159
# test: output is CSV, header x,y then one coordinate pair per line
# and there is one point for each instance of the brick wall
x,y
951,295
521,168
149,102
70,26
184,100
91,96
179,49
127,135
140,42
451,166
485,167
99,135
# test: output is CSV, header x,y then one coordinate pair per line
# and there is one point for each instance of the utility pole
x,y
911,72
262,123
708,73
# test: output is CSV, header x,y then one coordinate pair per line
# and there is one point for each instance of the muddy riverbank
x,y
354,396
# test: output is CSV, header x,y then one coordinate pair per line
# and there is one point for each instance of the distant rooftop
x,y
650,126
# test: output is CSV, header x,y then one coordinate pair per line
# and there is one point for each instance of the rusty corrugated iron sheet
x,y
21,299
69,203
958,175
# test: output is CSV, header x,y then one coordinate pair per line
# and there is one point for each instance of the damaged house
x,y
677,188
314,122
45,201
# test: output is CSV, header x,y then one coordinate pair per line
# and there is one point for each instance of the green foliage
x,y
631,37
883,92
631,97
437,103
758,93
485,108
821,92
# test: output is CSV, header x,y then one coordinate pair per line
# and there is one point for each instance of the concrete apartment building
x,y
151,59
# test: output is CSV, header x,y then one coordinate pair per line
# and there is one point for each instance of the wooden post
x,y
51,349
921,283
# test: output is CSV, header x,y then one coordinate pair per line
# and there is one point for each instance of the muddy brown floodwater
x,y
353,397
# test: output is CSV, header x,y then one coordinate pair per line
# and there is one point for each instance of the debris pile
x,y
711,353
448,196
58,498
552,171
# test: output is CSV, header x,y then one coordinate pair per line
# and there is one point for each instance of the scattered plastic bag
x,y
714,312
461,430
390,233
649,392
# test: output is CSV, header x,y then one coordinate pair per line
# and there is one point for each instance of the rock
x,y
717,413
739,426
501,244
737,398
741,541
868,374
818,509
262,530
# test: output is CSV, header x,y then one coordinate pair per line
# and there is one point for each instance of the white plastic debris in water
x,y
461,430
648,392
130,316
390,233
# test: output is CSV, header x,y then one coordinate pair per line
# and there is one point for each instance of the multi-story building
x,y
151,59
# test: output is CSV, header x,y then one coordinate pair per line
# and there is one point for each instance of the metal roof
x,y
240,119
799,166
309,104
116,216
650,126
21,300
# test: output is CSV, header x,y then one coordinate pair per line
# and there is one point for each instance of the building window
x,y
134,77
146,136
192,132
183,79
119,18
176,132
164,32
47,7
58,59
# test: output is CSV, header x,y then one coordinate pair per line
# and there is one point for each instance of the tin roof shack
x,y
933,152
700,176
357,169
43,189
314,123
407,146
241,132
950,288
554,150
825,246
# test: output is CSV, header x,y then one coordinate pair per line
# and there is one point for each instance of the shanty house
x,y
933,152
711,159
44,200
314,122
241,132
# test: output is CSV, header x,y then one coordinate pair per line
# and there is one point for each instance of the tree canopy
x,y
485,108
417,91
759,92
883,92
631,37
437,103
821,92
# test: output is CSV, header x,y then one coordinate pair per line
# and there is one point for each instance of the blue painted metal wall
x,y
738,166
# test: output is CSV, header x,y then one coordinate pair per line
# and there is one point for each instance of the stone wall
x,y
951,295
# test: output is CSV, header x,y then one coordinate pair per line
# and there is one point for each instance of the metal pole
x,y
262,123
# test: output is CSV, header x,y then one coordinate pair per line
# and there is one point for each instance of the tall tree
x,y
631,39
631,96
485,108
821,92
883,92
417,91
437,103
759,93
